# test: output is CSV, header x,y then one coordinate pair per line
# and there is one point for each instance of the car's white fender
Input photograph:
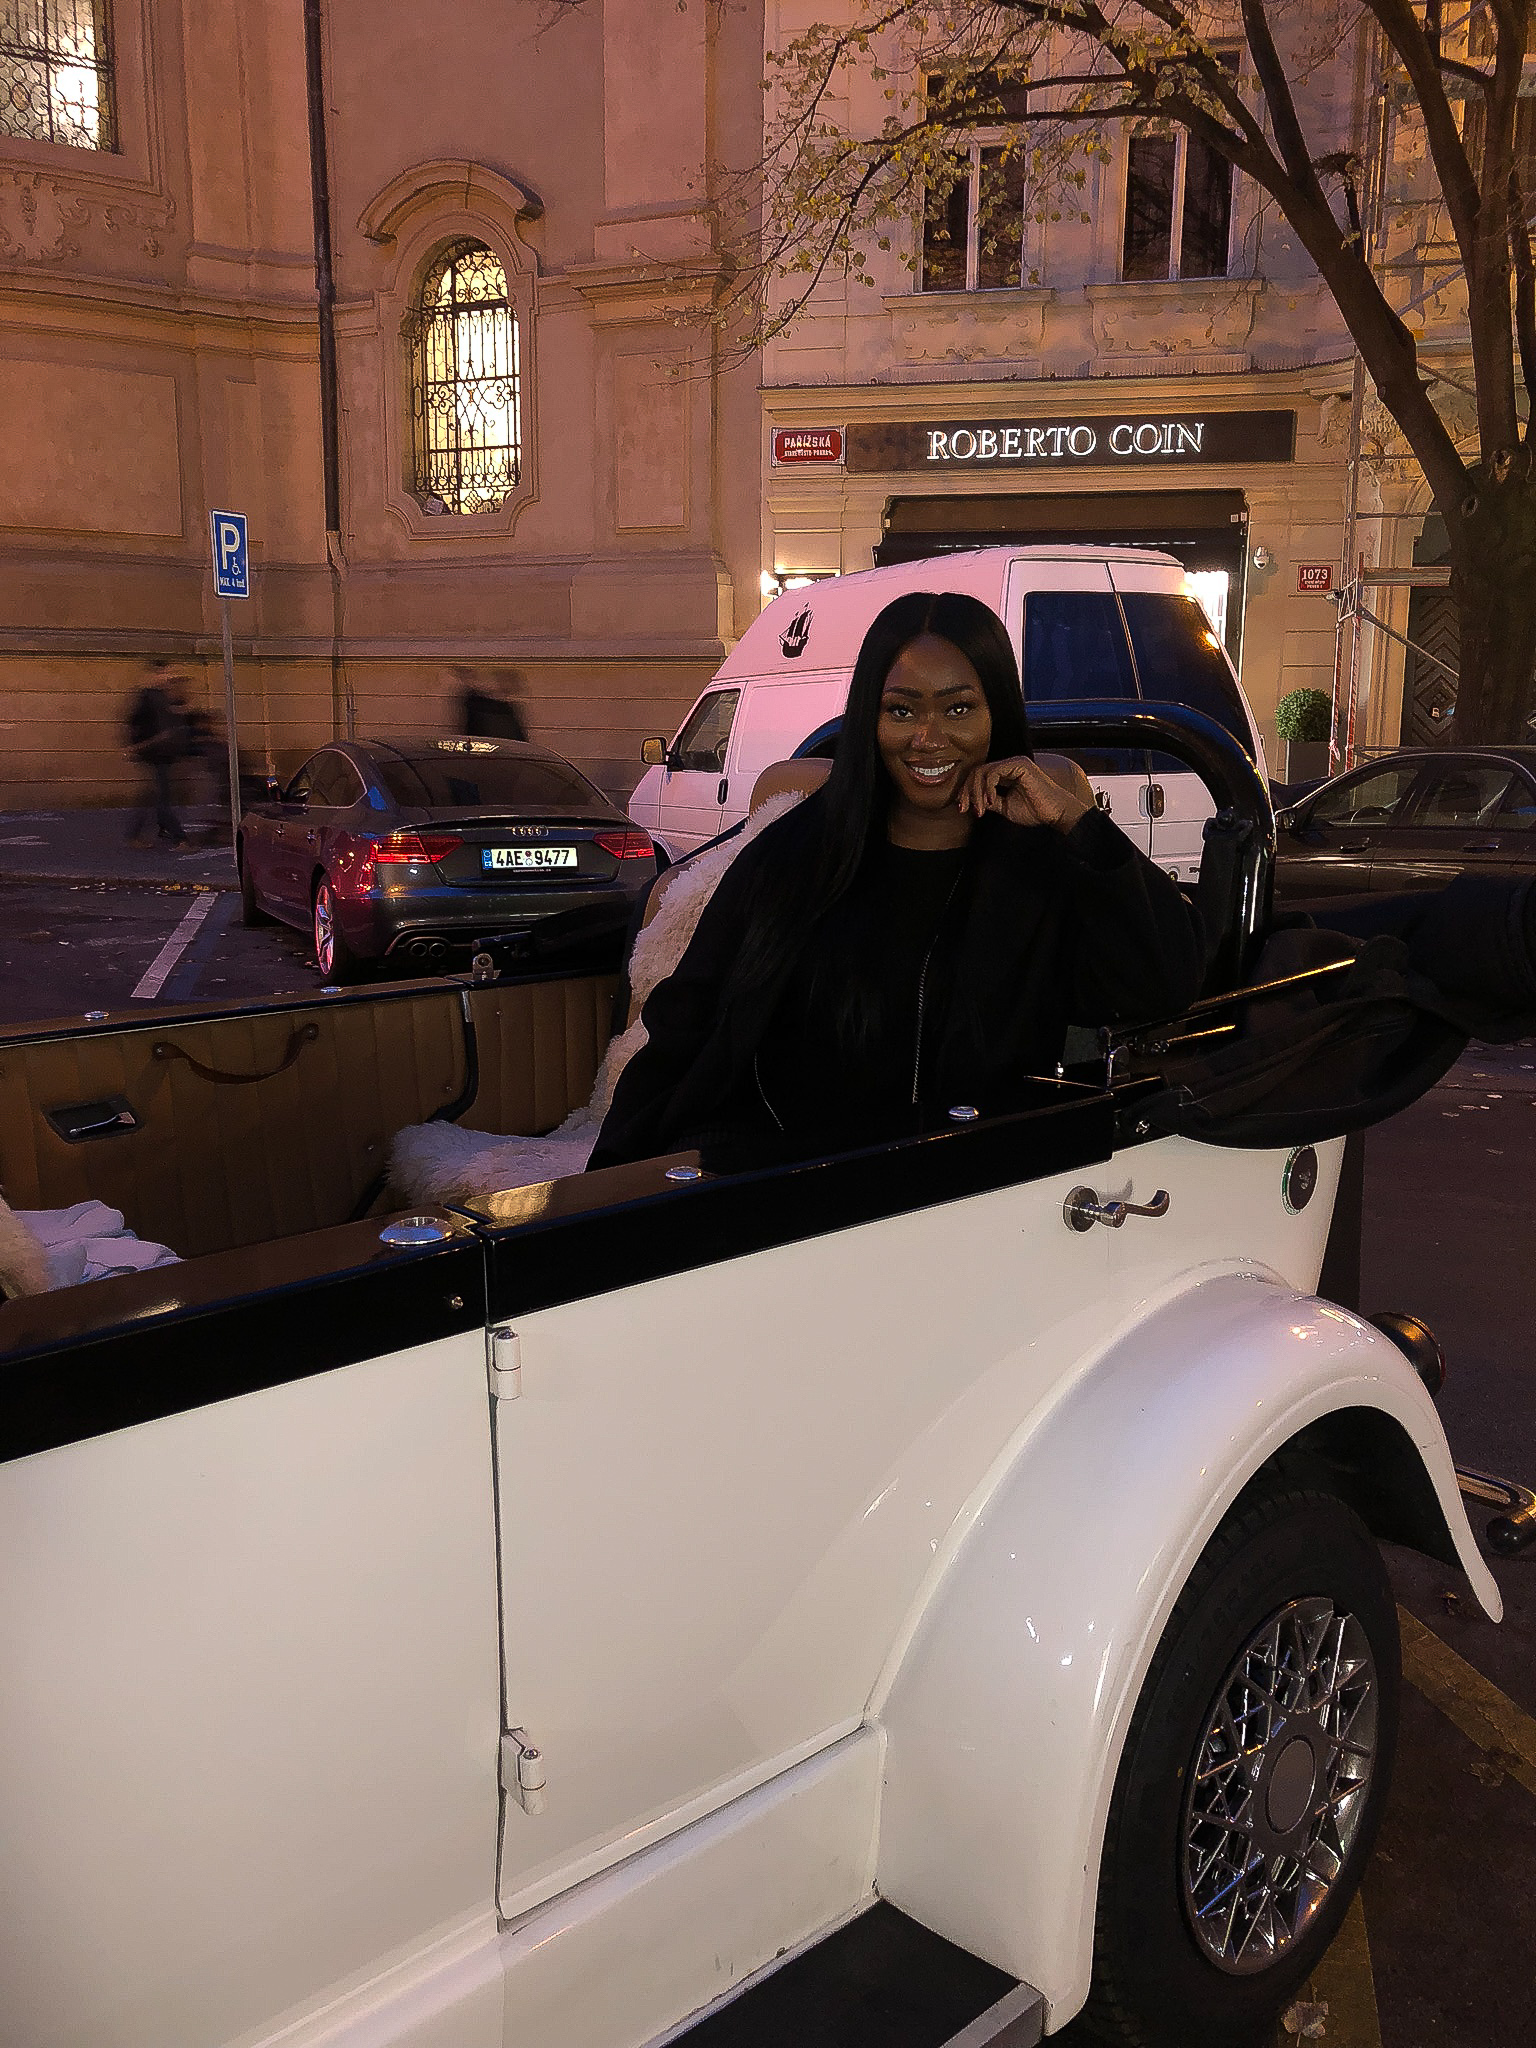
x,y
1006,1707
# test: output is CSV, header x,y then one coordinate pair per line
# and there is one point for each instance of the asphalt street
x,y
1443,1950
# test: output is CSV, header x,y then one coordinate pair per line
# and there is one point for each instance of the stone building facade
x,y
1168,370
516,191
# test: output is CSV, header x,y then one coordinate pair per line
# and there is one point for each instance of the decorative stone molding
x,y
441,185
46,220
1208,316
936,328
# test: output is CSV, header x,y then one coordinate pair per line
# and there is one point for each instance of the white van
x,y
1084,622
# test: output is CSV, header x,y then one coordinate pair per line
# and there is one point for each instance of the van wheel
x,y
251,912
333,956
1253,1779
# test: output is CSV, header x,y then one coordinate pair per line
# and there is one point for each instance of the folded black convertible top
x,y
1416,977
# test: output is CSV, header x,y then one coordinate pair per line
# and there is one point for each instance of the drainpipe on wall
x,y
343,708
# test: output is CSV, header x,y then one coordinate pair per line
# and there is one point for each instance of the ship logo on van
x,y
794,636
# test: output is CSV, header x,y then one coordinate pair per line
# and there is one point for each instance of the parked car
x,y
1411,821
415,849
533,1623
1102,623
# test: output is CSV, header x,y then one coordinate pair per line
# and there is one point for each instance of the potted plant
x,y
1304,720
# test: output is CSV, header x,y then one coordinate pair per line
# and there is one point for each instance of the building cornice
x,y
623,293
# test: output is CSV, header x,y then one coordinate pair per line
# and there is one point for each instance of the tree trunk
x,y
1493,580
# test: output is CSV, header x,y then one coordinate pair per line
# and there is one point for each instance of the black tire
x,y
251,912
333,956
1279,1559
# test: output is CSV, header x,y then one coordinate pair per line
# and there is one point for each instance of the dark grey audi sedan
x,y
422,849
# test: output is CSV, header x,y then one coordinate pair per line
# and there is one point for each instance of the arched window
x,y
466,384
56,73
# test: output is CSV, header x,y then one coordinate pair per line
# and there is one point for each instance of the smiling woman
x,y
915,937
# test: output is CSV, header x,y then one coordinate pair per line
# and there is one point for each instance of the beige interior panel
x,y
540,1047
217,1163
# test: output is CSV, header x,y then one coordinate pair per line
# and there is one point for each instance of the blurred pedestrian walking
x,y
489,706
158,736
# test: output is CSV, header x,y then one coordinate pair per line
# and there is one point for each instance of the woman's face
x,y
934,725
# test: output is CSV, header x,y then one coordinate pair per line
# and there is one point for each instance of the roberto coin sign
x,y
1100,441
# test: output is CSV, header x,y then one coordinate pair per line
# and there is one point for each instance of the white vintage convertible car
x,y
568,1621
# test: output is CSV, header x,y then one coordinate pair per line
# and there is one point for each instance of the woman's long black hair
x,y
836,827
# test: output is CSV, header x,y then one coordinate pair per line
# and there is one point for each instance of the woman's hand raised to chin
x,y
1020,791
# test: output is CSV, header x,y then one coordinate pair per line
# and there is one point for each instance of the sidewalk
x,y
92,846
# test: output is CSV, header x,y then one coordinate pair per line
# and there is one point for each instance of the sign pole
x,y
229,724
231,578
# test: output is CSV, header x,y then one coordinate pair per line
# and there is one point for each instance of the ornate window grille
x,y
56,72
466,384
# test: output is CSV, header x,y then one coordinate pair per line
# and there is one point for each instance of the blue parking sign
x,y
231,561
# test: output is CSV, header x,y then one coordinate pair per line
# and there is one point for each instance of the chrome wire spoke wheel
x,y
1280,1784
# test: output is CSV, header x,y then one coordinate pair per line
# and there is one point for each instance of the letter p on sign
x,y
231,560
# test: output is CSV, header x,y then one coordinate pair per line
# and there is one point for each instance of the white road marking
x,y
161,968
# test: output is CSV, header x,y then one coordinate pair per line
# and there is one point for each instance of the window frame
x,y
105,67
419,377
1181,138
334,763
703,709
972,143
128,185
1439,773
412,220
1407,804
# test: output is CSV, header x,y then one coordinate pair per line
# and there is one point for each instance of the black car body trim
x,y
84,1361
624,1225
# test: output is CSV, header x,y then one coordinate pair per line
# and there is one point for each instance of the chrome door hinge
x,y
522,1770
504,1362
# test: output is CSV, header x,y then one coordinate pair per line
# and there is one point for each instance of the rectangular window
x,y
1151,182
1475,128
1207,230
56,72
973,232
1179,661
999,212
1178,205
973,225
1075,646
947,232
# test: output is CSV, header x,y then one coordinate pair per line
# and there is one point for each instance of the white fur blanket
x,y
442,1163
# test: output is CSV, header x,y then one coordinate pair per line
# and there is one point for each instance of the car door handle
x,y
1353,845
1082,1209
310,837
724,790
1481,846
277,831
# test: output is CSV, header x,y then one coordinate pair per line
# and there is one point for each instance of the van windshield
x,y
1179,661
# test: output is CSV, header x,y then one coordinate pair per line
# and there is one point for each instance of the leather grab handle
x,y
303,1034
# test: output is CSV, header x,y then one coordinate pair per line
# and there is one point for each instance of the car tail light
x,y
405,846
625,845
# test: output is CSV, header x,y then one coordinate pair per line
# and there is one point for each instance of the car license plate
x,y
527,856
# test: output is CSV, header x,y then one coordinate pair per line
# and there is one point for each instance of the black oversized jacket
x,y
1053,929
